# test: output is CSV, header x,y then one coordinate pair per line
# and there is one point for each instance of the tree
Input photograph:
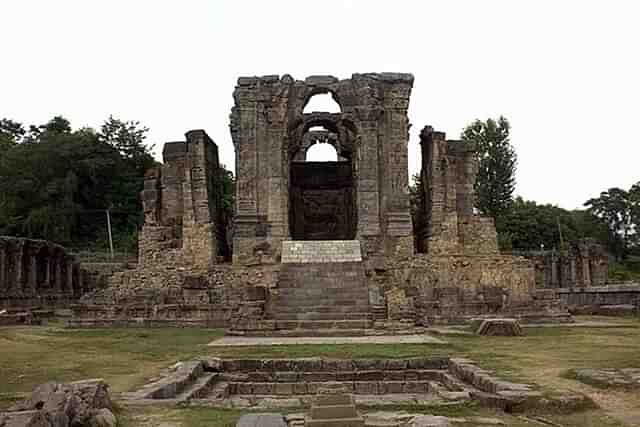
x,y
620,210
86,173
128,138
497,161
11,133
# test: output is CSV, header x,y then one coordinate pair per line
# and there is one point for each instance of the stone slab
x,y
376,339
320,251
261,420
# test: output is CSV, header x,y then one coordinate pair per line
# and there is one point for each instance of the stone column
x,y
367,168
69,275
47,272
17,266
3,268
57,274
586,272
554,270
573,271
80,283
394,185
33,271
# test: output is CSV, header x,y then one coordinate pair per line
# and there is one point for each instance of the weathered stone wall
x,y
594,297
37,273
268,128
434,288
182,203
585,263
449,170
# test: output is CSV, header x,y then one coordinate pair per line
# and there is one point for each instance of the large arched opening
x,y
322,186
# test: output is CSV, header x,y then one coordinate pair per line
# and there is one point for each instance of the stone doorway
x,y
322,205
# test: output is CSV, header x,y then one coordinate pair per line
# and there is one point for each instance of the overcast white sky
x,y
565,73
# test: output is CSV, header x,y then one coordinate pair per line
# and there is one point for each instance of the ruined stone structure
x,y
326,248
364,196
182,203
585,263
37,273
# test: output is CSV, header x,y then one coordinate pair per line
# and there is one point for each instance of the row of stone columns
x,y
558,263
22,259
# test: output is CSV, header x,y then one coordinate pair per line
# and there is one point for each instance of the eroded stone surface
x,y
615,378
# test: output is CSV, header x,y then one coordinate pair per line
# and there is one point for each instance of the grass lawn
x,y
125,358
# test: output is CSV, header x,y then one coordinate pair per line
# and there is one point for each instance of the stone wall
x,y
585,263
37,273
448,174
269,131
591,299
182,202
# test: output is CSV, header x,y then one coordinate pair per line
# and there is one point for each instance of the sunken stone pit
x,y
277,383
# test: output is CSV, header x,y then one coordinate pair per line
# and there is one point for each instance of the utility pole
x,y
109,231
560,234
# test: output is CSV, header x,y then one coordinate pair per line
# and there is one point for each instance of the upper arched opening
x,y
322,152
322,102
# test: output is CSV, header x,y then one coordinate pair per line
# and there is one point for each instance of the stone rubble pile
x,y
78,404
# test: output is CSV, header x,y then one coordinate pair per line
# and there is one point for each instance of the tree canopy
x,y
497,161
57,182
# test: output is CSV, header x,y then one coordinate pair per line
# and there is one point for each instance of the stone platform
x,y
269,341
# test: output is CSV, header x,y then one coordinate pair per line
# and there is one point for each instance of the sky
x,y
565,73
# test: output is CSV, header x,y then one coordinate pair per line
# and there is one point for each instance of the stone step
x,y
311,315
338,422
323,293
328,309
311,302
200,388
333,411
339,377
323,324
312,387
293,333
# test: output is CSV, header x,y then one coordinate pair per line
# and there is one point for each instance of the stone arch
x,y
313,92
321,149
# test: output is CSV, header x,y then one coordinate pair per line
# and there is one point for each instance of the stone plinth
x,y
321,251
500,327
334,408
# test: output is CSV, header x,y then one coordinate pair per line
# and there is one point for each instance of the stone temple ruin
x,y
317,247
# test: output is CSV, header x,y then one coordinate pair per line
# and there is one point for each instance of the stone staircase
x,y
322,290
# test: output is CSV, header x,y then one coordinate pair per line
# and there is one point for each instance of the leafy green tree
x,y
128,138
620,210
11,133
497,161
57,183
532,226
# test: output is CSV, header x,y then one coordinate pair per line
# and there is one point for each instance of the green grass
x,y
123,357
126,358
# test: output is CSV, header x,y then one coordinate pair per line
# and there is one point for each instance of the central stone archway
x,y
363,196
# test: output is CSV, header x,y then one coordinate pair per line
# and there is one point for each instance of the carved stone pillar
x,y
57,274
367,185
47,273
586,271
3,268
32,275
554,271
80,282
18,267
573,272
68,283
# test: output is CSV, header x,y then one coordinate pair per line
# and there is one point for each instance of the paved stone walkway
x,y
382,339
